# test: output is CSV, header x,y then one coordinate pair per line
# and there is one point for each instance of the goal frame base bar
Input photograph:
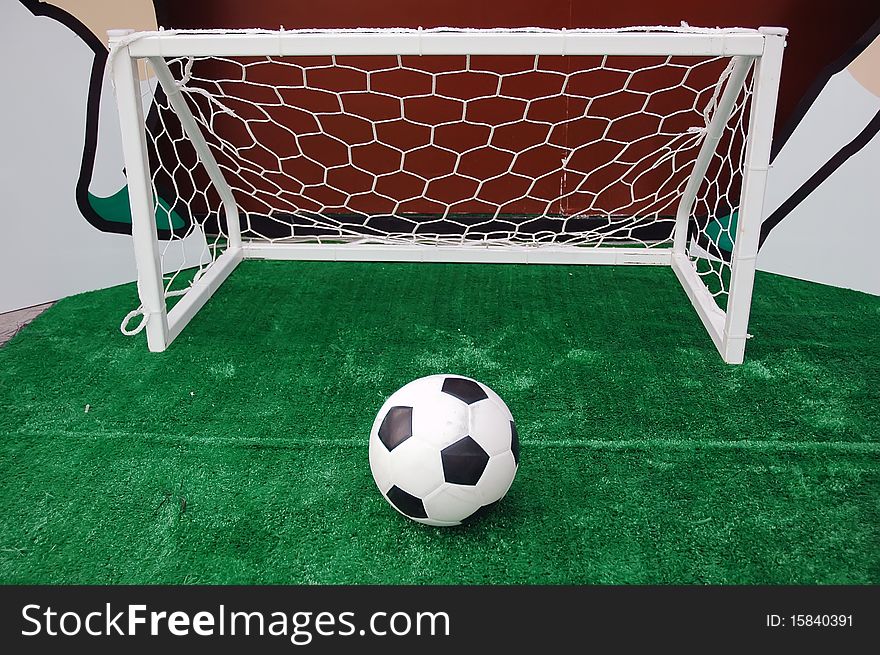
x,y
458,254
199,293
731,349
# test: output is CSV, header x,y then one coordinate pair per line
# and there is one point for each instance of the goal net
x,y
633,146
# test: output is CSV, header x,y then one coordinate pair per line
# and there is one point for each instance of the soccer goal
x,y
644,146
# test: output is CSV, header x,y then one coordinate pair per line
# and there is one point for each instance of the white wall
x,y
833,235
47,249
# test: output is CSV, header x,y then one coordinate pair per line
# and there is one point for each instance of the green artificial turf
x,y
240,454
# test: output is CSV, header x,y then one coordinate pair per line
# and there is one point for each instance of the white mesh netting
x,y
580,151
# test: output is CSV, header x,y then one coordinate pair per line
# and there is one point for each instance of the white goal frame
x,y
757,51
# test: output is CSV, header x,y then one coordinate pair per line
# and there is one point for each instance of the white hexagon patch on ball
x,y
442,447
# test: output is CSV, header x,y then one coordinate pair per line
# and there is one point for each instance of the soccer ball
x,y
442,447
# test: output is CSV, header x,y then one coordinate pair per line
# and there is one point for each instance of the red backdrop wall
x,y
819,33
820,30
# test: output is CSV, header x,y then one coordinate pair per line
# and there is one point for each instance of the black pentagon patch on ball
x,y
396,427
514,442
464,461
407,503
466,391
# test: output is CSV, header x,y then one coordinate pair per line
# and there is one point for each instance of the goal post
x,y
645,146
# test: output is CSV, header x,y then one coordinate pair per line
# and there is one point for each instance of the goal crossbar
x,y
755,59
427,42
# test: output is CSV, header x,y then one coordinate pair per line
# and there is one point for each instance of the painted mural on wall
x,y
822,217
66,218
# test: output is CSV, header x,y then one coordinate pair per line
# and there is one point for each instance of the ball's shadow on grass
x,y
504,513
